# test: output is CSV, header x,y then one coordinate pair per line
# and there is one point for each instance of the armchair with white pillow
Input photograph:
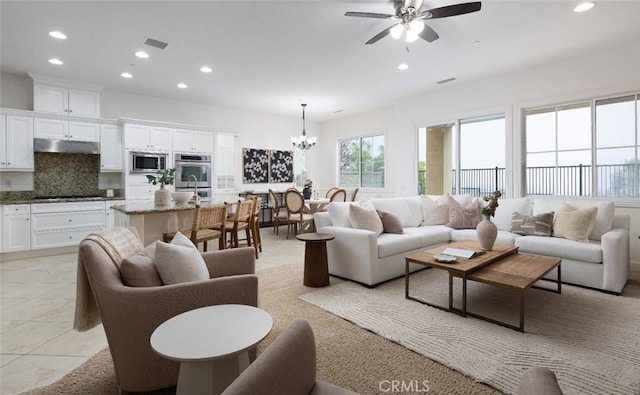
x,y
132,295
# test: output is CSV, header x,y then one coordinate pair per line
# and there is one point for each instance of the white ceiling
x,y
270,56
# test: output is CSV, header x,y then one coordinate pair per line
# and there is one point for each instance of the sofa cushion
x,y
504,237
430,235
390,222
415,208
139,270
506,208
399,207
561,248
180,261
339,212
392,244
536,225
574,224
604,216
463,217
364,218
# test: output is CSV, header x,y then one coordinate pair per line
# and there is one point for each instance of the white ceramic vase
x,y
487,233
162,197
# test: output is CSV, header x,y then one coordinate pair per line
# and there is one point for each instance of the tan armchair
x,y
130,314
287,366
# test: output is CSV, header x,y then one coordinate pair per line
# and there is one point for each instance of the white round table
x,y
211,343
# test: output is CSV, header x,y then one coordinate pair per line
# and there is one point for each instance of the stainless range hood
x,y
66,146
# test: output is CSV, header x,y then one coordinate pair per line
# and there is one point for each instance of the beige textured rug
x,y
590,339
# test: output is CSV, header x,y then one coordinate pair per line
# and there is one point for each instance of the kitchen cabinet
x,y
16,228
110,148
110,213
192,141
16,136
67,101
65,224
60,129
149,138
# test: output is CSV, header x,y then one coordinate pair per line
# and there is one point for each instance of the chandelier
x,y
303,142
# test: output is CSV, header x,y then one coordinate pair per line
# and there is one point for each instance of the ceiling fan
x,y
411,19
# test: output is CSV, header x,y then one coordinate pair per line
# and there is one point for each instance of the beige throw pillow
x,y
463,217
139,270
535,225
180,261
390,222
434,212
574,224
364,218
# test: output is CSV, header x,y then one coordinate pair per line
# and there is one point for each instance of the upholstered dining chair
x,y
296,212
277,214
354,194
129,314
338,196
208,224
330,192
238,221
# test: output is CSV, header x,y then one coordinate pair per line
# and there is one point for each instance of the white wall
x,y
614,71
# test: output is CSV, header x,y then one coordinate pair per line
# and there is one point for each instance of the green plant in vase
x,y
163,178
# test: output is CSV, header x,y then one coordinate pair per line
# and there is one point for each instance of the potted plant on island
x,y
162,197
306,191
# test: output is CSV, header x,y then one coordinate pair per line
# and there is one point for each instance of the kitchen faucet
x,y
196,197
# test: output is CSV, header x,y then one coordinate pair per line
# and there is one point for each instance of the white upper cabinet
x,y
192,141
60,129
150,138
110,148
16,138
67,101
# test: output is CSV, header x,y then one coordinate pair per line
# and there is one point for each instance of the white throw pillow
x,y
414,203
339,213
574,224
180,261
363,218
434,213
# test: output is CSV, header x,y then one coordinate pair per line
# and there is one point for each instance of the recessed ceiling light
x,y
586,6
142,54
126,75
58,35
403,66
56,61
182,85
206,69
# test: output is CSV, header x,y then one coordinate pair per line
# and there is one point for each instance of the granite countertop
x,y
59,200
136,207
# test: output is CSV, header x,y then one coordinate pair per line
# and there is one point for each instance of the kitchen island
x,y
152,221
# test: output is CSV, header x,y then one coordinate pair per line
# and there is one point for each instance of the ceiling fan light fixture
x,y
416,26
396,31
411,36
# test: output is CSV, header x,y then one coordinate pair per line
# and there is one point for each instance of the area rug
x,y
591,340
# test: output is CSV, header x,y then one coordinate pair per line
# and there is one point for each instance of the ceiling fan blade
x,y
456,9
428,34
379,35
368,15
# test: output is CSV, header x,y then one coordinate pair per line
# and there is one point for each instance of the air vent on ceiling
x,y
445,81
155,43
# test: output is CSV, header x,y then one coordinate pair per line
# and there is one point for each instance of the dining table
x,y
313,206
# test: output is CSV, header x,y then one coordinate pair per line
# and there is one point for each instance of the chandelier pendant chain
x,y
302,142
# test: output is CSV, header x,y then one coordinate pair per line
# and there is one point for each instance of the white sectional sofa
x,y
360,255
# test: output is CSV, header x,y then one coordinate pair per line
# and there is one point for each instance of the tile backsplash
x,y
66,174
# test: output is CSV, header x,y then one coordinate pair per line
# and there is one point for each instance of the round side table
x,y
316,268
212,344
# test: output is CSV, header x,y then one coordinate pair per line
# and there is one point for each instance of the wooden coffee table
x,y
503,267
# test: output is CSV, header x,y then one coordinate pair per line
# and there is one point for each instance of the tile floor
x,y
37,302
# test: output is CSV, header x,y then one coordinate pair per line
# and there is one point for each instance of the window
x,y
362,162
584,149
225,161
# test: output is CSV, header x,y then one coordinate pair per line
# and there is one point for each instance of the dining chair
x,y
208,224
339,195
277,215
255,223
354,194
240,220
296,215
330,192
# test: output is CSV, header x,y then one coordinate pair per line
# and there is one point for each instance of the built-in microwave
x,y
146,162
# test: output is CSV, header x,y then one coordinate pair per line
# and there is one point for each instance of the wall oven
x,y
190,166
145,162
